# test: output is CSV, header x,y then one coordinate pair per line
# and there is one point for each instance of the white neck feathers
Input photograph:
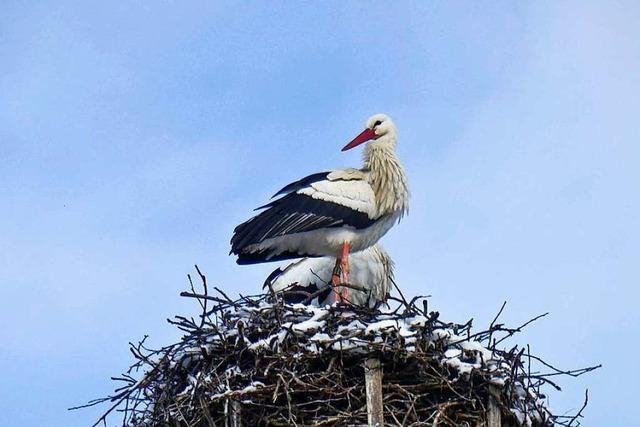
x,y
386,176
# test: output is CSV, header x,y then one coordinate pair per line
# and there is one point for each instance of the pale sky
x,y
135,136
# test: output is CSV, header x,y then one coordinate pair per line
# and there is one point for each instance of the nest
x,y
278,364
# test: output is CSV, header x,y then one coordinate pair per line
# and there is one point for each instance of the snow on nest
x,y
352,334
308,331
288,361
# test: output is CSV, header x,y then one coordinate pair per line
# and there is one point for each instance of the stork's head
x,y
380,130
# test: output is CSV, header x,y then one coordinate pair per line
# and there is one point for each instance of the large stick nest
x,y
302,365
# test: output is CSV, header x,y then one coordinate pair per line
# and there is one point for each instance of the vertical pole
x,y
234,413
373,380
494,418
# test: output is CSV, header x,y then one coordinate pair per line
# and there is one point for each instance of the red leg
x,y
340,275
335,281
344,271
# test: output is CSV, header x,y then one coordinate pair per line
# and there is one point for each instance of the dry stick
x,y
584,405
232,302
193,290
572,372
441,412
512,332
311,296
204,297
495,319
395,285
411,408
203,279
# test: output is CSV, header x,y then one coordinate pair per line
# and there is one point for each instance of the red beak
x,y
365,136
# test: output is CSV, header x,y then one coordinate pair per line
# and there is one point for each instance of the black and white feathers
x,y
371,271
314,216
323,201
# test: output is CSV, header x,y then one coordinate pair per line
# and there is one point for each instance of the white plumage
x,y
324,213
371,270
356,194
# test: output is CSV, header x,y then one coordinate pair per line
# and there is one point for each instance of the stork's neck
x,y
387,178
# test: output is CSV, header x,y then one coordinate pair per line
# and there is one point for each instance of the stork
x,y
304,280
332,213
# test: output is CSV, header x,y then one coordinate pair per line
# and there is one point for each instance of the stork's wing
x,y
323,200
302,278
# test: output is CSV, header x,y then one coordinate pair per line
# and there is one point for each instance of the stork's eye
x,y
377,123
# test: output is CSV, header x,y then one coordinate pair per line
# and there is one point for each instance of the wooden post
x,y
234,413
494,418
373,380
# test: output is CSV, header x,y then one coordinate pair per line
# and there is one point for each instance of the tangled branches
x,y
277,364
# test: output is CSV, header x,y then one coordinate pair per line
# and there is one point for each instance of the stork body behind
x,y
371,271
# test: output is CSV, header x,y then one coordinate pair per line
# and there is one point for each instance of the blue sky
x,y
135,136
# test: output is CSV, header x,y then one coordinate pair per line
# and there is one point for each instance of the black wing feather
x,y
294,213
300,184
248,258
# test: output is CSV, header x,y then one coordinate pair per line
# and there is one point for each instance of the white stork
x,y
371,272
331,213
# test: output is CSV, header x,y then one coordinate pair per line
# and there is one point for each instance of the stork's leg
x,y
344,271
335,281
340,275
